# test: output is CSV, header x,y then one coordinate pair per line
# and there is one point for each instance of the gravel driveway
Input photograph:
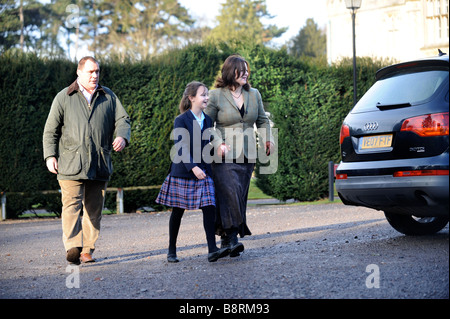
x,y
328,251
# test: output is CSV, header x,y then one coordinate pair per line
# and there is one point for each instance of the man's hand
x,y
119,144
52,165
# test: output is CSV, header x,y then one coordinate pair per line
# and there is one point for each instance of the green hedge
x,y
27,88
150,91
308,116
307,102
134,199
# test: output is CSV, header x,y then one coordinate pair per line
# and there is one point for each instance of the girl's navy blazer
x,y
189,144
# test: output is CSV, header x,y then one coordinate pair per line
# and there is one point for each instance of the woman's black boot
x,y
220,253
235,246
225,241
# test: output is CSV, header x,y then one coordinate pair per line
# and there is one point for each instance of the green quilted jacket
x,y
80,136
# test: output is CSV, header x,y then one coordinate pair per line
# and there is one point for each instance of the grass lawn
x,y
255,193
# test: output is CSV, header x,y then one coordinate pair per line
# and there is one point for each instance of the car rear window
x,y
402,88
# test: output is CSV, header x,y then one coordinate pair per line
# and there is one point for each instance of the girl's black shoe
x,y
172,258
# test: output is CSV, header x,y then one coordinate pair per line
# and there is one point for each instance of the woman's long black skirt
x,y
232,181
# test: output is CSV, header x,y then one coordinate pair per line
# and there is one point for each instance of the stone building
x,y
395,29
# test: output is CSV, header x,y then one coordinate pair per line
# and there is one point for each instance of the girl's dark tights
x,y
208,225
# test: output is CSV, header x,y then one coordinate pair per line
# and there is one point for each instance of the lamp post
x,y
353,5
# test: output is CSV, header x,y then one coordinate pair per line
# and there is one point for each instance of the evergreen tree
x,y
310,41
240,21
141,29
20,22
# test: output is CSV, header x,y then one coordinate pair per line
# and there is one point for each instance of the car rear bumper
x,y
418,195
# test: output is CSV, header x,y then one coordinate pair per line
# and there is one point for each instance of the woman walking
x,y
189,185
235,108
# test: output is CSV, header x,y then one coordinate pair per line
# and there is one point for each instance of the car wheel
x,y
414,226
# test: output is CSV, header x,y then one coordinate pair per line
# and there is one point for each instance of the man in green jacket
x,y
78,140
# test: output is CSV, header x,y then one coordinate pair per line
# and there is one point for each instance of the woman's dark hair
x,y
234,64
191,90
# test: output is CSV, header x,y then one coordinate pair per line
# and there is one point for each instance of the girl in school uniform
x,y
189,184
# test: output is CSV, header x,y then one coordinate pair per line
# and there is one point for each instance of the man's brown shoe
x,y
73,255
86,258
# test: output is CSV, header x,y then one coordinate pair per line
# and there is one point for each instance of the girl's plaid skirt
x,y
187,193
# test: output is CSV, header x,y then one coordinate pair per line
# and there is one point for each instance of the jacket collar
x,y
206,122
229,97
74,87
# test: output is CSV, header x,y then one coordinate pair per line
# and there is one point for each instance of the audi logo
x,y
370,126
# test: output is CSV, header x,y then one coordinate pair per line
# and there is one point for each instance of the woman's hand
x,y
223,149
198,172
269,148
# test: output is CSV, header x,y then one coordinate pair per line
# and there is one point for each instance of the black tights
x,y
208,224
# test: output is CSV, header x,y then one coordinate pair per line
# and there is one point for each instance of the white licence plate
x,y
375,141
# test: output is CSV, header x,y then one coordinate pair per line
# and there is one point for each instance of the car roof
x,y
442,60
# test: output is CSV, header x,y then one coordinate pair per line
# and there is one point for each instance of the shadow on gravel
x,y
314,229
110,260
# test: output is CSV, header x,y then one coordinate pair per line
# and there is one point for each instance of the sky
x,y
288,13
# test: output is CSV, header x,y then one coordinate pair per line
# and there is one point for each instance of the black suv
x,y
395,147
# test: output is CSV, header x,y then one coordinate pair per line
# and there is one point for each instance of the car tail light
x,y
345,132
427,125
341,176
426,172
